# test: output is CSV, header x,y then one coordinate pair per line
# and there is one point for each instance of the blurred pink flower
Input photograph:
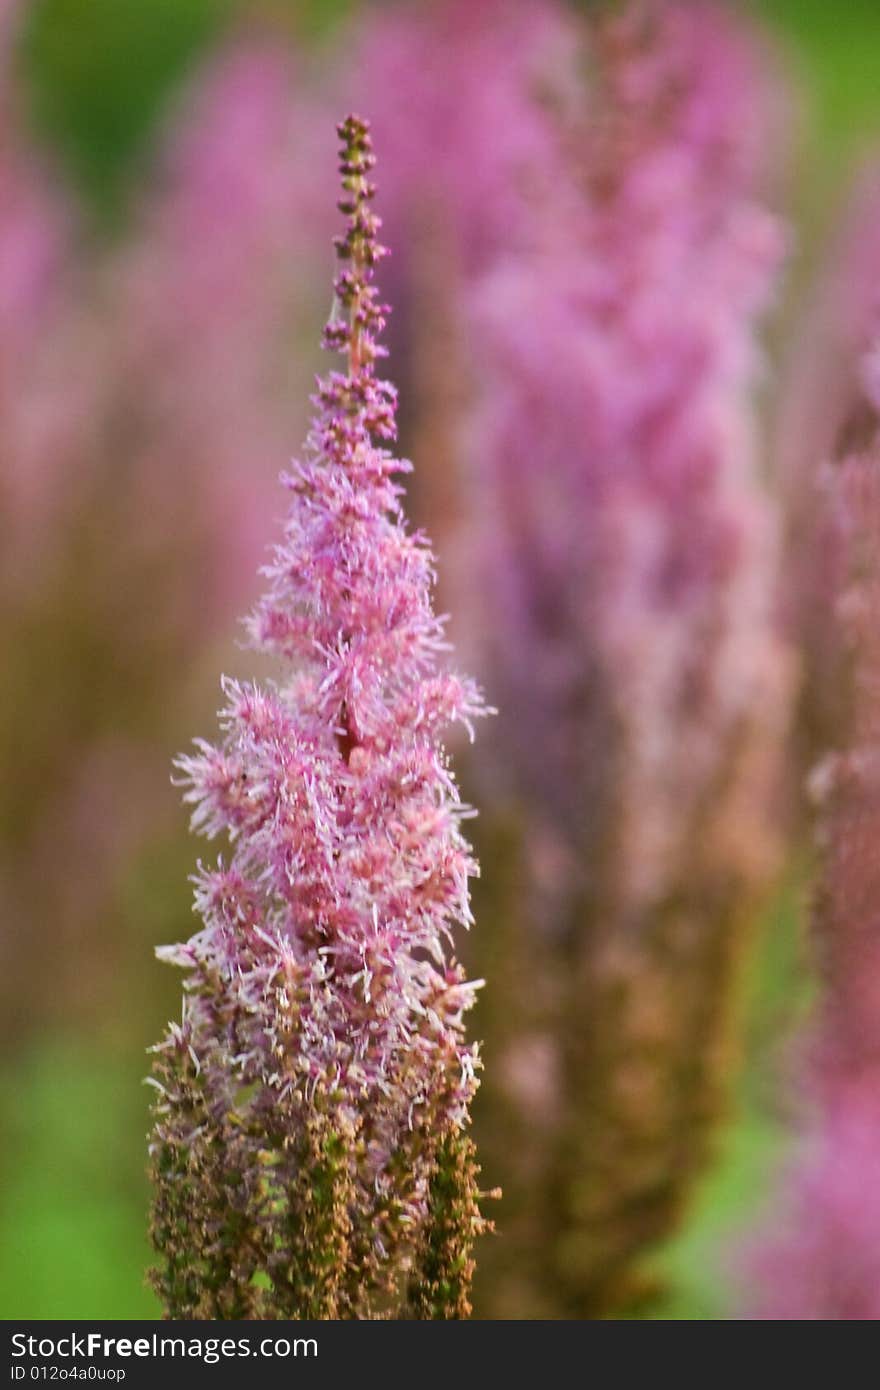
x,y
629,539
320,999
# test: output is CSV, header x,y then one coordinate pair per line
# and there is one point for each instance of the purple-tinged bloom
x,y
310,1152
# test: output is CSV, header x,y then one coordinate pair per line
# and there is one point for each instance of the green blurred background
x,y
99,76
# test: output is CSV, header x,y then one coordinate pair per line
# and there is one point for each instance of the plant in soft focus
x,y
620,563
636,567
310,1152
821,1257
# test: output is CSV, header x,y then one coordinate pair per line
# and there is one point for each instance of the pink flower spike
x,y
310,1149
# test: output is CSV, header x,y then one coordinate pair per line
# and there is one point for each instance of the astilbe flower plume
x,y
310,1152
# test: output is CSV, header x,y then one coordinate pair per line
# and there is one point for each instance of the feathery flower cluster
x,y
310,1152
